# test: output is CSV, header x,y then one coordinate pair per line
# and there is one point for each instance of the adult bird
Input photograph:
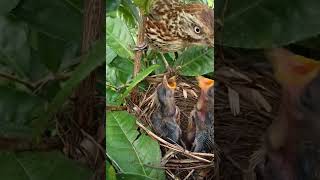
x,y
292,143
200,127
172,26
166,117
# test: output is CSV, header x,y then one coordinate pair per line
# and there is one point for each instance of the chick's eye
x,y
197,29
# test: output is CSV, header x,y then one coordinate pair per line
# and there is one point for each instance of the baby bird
x,y
293,140
201,119
166,118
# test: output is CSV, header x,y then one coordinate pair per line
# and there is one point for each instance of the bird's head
x,y
206,99
166,90
293,140
197,24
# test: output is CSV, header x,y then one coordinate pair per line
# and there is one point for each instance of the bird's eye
x,y
197,29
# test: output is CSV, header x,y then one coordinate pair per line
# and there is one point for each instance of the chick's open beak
x,y
170,83
292,70
205,84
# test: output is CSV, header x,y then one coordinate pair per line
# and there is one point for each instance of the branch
x,y
13,78
140,43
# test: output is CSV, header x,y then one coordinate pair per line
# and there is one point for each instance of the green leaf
x,y
119,38
14,50
132,176
196,61
16,112
58,19
119,72
113,97
266,23
110,172
50,51
144,5
129,12
140,76
110,55
39,166
133,153
95,58
7,5
112,5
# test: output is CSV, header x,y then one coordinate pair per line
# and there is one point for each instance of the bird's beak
x,y
292,70
204,84
170,83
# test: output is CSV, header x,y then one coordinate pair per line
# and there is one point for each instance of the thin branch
x,y
171,146
140,43
13,78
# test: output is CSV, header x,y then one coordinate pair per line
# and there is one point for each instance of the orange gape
x,y
200,128
293,139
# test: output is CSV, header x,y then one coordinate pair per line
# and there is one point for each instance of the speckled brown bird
x,y
172,26
166,118
293,140
200,128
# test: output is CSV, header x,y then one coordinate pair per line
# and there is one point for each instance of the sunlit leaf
x,y
119,38
196,61
132,152
140,76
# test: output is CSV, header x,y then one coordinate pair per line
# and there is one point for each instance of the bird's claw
x,y
141,47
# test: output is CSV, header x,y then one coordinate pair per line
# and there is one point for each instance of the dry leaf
x,y
231,73
185,94
234,101
193,93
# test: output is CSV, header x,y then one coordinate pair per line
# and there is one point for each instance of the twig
x,y
115,108
173,147
13,78
94,141
190,173
193,167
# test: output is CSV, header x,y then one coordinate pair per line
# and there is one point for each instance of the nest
x,y
246,102
178,162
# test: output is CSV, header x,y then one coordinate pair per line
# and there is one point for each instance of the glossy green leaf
x,y
266,23
119,72
140,76
196,61
39,166
133,153
91,61
119,38
113,97
7,5
130,10
110,55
